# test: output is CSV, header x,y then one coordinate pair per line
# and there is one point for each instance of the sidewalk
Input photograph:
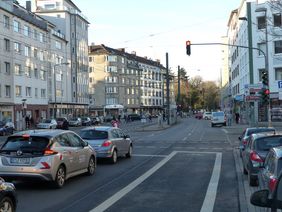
x,y
154,126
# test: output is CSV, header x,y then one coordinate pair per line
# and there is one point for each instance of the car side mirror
x,y
260,198
239,138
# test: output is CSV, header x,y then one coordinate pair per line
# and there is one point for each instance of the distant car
x,y
218,118
86,121
243,138
261,198
6,128
96,120
207,115
108,142
108,118
268,175
51,155
75,122
134,117
255,152
47,124
8,196
62,123
199,115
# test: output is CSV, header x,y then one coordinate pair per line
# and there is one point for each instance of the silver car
x,y
52,155
47,124
108,142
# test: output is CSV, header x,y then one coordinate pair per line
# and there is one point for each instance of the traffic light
x,y
264,78
265,95
188,47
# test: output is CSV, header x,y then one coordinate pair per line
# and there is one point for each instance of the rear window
x,y
279,168
264,144
259,131
93,134
29,144
218,114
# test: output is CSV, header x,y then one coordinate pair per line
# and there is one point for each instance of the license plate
x,y
20,160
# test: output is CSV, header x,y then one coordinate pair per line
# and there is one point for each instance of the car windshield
x,y
30,143
218,114
60,119
259,130
94,134
48,121
74,119
279,167
266,143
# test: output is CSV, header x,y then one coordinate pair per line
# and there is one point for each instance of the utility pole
x,y
178,91
167,89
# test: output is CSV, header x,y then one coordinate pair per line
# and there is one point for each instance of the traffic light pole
x,y
245,47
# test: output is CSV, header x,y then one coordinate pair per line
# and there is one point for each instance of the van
x,y
218,118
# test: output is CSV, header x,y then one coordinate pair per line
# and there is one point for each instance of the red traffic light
x,y
188,47
267,92
188,42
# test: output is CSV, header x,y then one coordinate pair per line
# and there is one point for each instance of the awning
x,y
114,107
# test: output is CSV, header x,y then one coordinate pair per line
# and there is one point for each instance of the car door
x,y
67,151
125,141
81,153
268,170
246,153
117,141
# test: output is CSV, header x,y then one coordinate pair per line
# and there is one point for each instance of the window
x,y
6,22
58,45
18,90
7,91
90,59
278,73
26,31
277,19
16,26
42,74
7,68
28,71
41,37
278,47
43,93
110,68
36,73
262,47
111,101
41,55
17,47
261,22
27,50
35,34
17,69
36,92
7,44
111,79
111,58
28,91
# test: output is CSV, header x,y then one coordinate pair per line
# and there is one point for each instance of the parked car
x,y
76,122
96,120
108,142
261,198
199,115
134,117
255,152
62,123
243,139
268,175
6,127
86,121
8,196
218,118
207,115
52,155
108,118
47,124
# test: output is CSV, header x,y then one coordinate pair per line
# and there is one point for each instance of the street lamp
x,y
263,9
55,88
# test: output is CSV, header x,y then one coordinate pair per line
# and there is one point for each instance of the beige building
x,y
123,83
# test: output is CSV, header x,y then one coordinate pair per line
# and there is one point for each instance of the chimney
x,y
146,57
133,52
121,49
28,6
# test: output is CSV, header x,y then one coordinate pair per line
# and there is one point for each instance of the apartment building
x,y
255,24
74,25
123,83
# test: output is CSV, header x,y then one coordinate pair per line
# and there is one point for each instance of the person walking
x,y
237,117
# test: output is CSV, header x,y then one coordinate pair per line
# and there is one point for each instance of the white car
x,y
218,118
47,124
207,115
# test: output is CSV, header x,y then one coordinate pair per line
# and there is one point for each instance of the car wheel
x,y
211,125
114,157
60,177
252,180
129,153
7,204
91,166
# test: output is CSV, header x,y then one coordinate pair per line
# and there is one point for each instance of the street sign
x,y
252,91
280,85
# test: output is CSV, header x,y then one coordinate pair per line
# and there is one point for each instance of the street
x,y
187,167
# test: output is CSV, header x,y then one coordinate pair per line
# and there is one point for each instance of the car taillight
x,y
107,143
272,184
45,165
255,157
49,152
245,142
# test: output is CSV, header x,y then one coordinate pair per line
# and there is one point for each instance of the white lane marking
x,y
227,136
117,196
184,139
212,188
224,130
139,155
189,134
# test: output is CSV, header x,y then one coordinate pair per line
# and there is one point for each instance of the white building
x,y
250,25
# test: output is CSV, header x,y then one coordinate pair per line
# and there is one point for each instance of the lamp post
x,y
55,88
263,9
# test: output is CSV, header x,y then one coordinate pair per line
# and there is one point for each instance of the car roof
x,y
266,134
100,128
254,128
40,133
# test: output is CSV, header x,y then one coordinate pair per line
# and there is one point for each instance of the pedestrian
x,y
229,118
27,122
114,122
119,117
163,116
150,117
237,117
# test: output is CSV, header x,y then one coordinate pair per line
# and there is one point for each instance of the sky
x,y
153,28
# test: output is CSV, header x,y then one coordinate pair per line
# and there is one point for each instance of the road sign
x,y
252,92
280,84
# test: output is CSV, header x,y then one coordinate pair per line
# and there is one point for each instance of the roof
x,y
102,49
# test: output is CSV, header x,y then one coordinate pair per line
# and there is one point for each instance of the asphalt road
x,y
188,167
